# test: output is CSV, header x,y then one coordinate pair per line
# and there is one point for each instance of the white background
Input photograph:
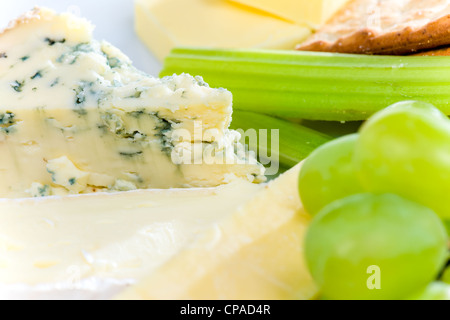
x,y
114,21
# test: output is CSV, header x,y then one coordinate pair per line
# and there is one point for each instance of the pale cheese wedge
x,y
68,242
255,252
165,24
239,241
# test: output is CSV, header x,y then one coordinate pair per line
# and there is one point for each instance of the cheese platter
x,y
300,153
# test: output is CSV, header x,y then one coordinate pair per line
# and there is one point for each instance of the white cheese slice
x,y
77,117
254,253
61,245
238,241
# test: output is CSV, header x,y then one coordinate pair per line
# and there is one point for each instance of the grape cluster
x,y
379,205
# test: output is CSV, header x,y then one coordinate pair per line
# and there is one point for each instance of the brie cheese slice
x,y
107,240
254,253
238,241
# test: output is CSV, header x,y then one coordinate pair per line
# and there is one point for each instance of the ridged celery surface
x,y
295,142
316,86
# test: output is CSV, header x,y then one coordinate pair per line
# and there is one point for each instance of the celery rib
x,y
295,141
316,86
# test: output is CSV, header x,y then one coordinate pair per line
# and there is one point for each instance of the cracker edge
x,y
432,35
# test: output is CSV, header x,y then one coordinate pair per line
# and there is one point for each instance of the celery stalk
x,y
334,129
316,86
295,142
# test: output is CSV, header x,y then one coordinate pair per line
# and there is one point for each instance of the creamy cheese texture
x,y
65,241
237,241
165,24
77,117
254,253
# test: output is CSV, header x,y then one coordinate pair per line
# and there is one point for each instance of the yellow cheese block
x,y
312,12
165,24
254,253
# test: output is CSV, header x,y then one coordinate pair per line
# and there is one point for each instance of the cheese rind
x,y
311,12
162,25
66,95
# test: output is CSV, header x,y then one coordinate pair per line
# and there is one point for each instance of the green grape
x,y
433,291
405,149
447,225
365,240
446,275
328,174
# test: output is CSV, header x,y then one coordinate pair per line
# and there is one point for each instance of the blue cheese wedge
x,y
77,117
